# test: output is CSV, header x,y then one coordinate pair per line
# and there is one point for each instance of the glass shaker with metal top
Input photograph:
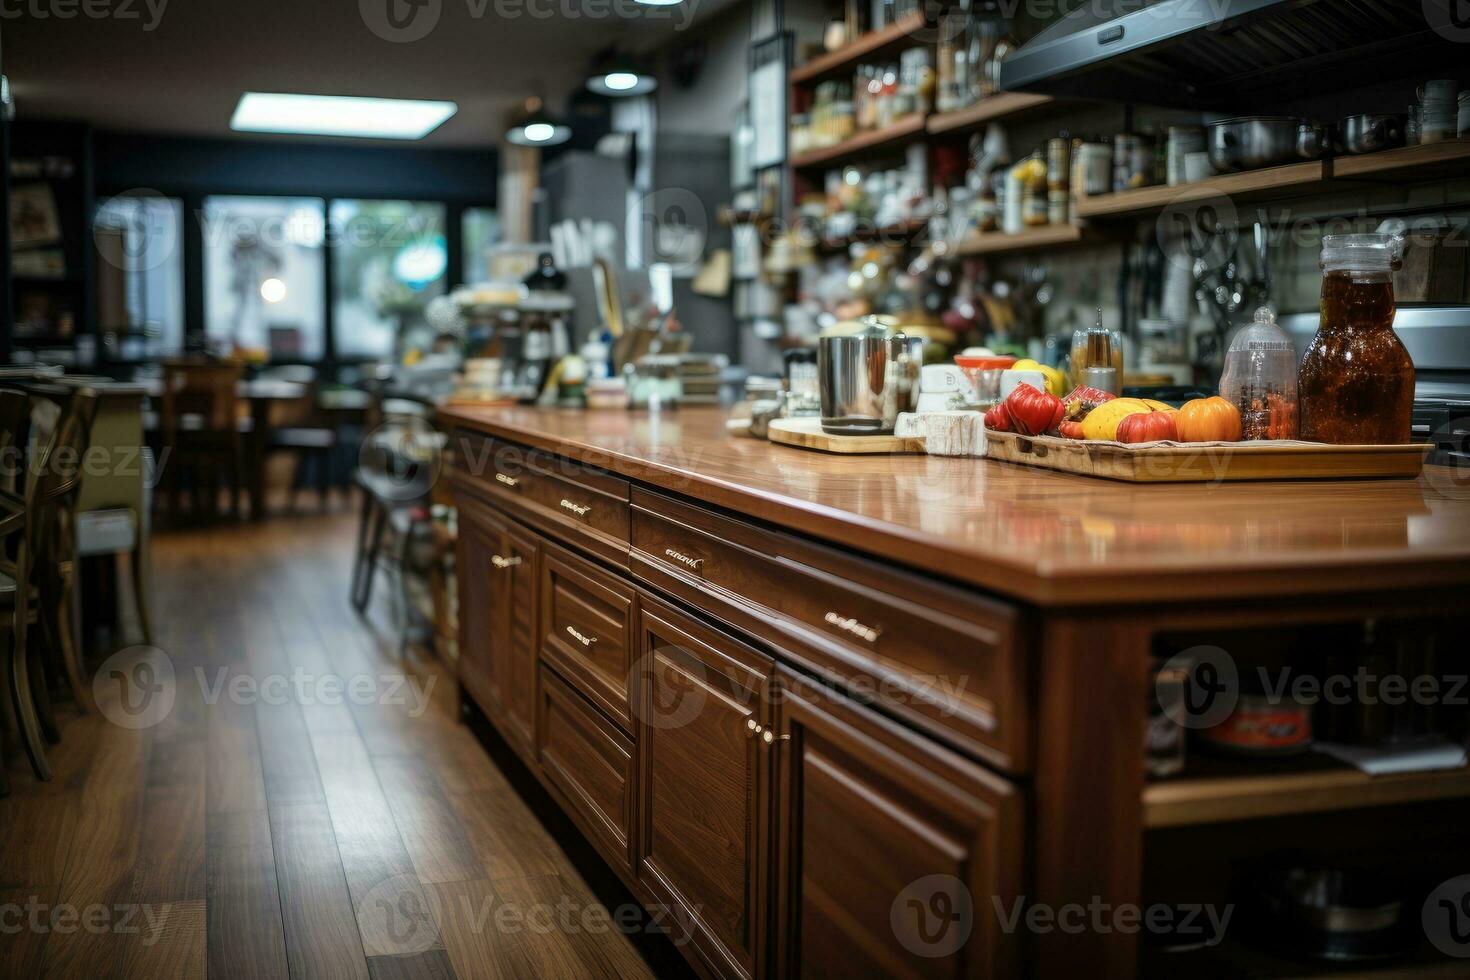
x,y
1356,382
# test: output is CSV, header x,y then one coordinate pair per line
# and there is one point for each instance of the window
x,y
479,230
140,274
388,262
263,275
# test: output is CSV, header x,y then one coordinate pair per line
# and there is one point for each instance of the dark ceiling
x,y
179,66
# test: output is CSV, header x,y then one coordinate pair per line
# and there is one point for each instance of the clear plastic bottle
x,y
1260,380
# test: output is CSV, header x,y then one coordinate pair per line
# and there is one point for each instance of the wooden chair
x,y
199,422
34,522
308,437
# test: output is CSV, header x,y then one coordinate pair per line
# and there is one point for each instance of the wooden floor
x,y
300,838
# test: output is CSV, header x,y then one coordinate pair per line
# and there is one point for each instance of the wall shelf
x,y
1220,799
1450,158
1428,162
870,141
1253,185
899,233
1004,105
1032,239
869,45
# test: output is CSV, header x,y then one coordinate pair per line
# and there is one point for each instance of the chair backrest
x,y
49,475
206,389
15,416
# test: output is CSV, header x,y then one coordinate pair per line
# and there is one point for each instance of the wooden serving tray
x,y
1213,463
807,433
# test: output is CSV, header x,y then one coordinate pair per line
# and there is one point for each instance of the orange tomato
x,y
1208,420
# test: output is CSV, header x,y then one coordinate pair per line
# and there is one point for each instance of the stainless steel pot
x,y
1369,132
1313,140
1252,142
867,378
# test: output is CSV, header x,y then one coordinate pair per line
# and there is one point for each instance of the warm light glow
x,y
620,81
272,290
339,115
539,132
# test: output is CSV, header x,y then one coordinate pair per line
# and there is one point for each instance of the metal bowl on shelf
x,y
1252,142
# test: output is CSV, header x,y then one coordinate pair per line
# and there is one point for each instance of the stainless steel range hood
x,y
1234,54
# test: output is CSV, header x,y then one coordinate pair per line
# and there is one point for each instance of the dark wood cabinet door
x,y
702,707
893,853
484,603
518,662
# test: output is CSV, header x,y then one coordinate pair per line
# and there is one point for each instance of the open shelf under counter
x,y
870,44
869,141
1032,239
1253,185
1002,106
1220,791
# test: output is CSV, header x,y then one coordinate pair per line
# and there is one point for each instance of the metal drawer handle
x,y
751,728
769,736
852,626
586,641
693,563
509,481
500,562
577,509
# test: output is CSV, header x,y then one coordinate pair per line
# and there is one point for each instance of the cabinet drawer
x,y
577,503
589,764
949,662
586,623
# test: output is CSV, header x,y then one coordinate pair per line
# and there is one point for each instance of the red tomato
x,y
1147,427
1033,411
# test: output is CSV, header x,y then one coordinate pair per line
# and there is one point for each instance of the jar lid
x,y
1361,253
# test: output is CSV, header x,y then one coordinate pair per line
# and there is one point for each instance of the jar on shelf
x,y
1260,380
1356,384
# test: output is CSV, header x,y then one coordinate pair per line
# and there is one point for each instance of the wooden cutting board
x,y
808,434
1209,463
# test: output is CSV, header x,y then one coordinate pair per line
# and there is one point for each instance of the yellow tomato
x,y
1102,422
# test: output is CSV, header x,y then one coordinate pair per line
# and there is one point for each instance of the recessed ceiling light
x,y
339,115
622,82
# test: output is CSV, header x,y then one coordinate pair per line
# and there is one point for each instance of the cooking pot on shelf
x,y
1370,132
1252,142
867,373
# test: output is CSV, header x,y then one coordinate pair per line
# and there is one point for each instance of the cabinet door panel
x,y
892,849
518,665
484,604
705,781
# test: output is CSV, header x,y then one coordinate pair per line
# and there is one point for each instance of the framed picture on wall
x,y
768,61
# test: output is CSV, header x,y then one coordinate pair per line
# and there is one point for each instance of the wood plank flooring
x,y
267,827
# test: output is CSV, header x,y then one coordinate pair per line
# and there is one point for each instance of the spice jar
x,y
1260,379
1356,383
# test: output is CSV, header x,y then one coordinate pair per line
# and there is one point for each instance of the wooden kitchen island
x,y
841,714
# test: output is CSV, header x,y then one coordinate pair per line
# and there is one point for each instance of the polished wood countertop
x,y
1038,535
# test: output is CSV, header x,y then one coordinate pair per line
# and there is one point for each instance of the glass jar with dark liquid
x,y
1356,384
